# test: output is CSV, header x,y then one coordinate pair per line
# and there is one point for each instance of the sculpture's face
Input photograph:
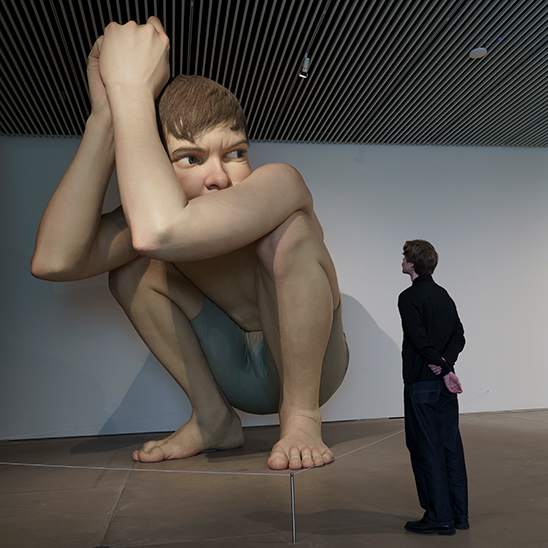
x,y
217,160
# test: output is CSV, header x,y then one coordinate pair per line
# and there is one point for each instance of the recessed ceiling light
x,y
478,53
304,67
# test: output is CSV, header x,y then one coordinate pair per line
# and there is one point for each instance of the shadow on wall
x,y
153,403
373,385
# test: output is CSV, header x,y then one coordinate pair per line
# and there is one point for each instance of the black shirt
x,y
432,330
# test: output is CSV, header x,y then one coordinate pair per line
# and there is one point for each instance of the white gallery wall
x,y
71,364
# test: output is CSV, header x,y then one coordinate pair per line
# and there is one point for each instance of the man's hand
x,y
436,369
452,383
135,56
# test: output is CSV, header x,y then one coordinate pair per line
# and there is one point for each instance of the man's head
x,y
420,256
192,105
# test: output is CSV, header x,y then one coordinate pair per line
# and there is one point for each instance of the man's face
x,y
217,160
406,267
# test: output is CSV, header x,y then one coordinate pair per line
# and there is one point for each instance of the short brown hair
x,y
191,105
422,255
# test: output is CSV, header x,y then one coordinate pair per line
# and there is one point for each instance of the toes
x,y
317,458
307,458
312,458
278,460
295,462
327,456
297,458
156,454
150,445
141,455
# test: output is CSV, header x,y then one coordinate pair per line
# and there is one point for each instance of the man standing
x,y
433,337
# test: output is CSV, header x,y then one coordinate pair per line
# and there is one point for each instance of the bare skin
x,y
158,284
191,439
196,224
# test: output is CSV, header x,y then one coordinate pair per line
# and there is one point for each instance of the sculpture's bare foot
x,y
193,438
300,444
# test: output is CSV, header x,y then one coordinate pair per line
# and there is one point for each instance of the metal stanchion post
x,y
292,486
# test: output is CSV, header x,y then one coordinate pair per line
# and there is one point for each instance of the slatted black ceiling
x,y
381,71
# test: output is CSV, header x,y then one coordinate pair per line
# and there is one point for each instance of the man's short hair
x,y
423,256
192,105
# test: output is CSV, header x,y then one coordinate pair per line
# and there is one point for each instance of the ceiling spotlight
x,y
304,67
478,53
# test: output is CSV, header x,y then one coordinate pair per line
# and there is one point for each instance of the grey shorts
x,y
243,366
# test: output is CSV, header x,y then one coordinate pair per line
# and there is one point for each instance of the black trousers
x,y
435,445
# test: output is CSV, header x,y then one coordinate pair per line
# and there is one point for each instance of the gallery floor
x,y
86,492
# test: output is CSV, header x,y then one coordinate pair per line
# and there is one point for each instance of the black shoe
x,y
428,528
462,524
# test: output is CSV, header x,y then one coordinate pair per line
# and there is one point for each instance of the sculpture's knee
x,y
282,251
125,280
137,285
116,283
